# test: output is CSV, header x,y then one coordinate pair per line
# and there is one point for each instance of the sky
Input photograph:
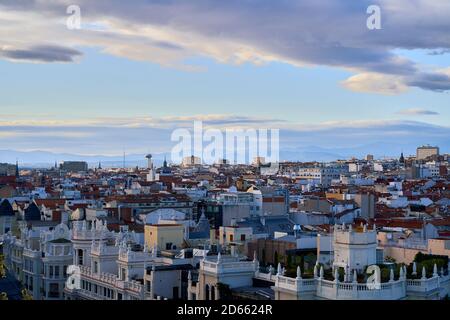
x,y
135,71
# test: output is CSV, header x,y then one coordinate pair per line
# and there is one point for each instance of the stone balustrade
x,y
111,279
228,266
335,290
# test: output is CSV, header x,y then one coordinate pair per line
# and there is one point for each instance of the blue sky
x,y
154,67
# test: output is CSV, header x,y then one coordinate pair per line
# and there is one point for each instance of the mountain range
x,y
303,153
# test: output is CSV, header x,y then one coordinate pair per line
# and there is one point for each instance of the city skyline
x,y
238,152
127,78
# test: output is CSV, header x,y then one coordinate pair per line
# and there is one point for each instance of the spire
x,y
435,271
17,168
279,271
424,273
99,165
270,269
165,162
299,273
321,272
315,271
391,276
355,276
219,258
414,273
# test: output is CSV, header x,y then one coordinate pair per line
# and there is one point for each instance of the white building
x,y
151,176
426,151
354,249
39,260
117,266
323,175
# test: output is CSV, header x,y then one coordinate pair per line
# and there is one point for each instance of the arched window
x,y
207,292
213,293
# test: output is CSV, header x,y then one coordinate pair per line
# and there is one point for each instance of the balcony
x,y
111,279
331,290
230,266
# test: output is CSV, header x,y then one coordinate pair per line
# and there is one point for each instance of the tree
x,y
289,261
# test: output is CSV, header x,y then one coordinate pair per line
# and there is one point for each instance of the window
x,y
54,290
50,271
95,266
175,293
231,238
64,271
242,237
80,257
57,271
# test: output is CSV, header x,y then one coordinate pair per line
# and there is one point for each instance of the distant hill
x,y
303,153
47,159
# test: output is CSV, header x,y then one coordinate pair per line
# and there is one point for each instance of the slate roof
x,y
6,209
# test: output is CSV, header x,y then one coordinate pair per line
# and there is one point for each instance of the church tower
x,y
17,169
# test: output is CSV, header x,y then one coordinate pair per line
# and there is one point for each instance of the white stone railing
x,y
296,285
266,276
354,291
332,290
231,267
423,285
103,249
89,234
341,291
91,295
111,279
135,256
31,253
101,277
287,283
